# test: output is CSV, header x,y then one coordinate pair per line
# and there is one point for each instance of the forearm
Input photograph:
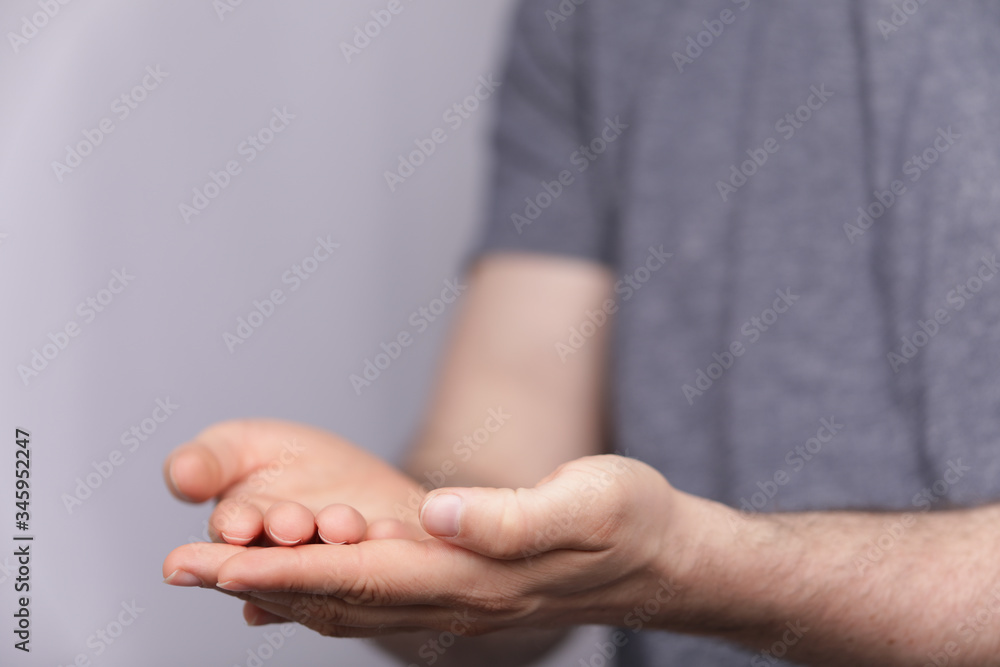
x,y
507,409
847,588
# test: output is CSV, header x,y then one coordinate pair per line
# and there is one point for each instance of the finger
x,y
295,611
393,529
577,507
197,564
317,610
374,572
255,615
235,522
288,523
330,628
227,453
340,524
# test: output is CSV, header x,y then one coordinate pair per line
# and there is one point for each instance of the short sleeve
x,y
546,192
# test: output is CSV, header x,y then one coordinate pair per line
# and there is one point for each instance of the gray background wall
x,y
162,336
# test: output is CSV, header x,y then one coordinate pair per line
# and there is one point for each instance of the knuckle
x,y
366,591
499,610
498,605
507,601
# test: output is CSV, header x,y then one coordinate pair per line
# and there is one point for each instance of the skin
x,y
552,534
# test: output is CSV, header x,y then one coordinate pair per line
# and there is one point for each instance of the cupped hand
x,y
595,540
281,483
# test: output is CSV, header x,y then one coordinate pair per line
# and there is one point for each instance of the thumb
x,y
569,510
225,454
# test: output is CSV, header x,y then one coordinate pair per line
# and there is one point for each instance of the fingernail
x,y
441,514
232,586
326,541
254,617
238,541
183,578
282,542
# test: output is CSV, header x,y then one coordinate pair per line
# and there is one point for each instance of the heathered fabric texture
x,y
879,98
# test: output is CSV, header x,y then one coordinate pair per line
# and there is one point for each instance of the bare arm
x,y
507,411
821,588
502,357
834,588
817,586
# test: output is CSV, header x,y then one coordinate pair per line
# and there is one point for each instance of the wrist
x,y
721,563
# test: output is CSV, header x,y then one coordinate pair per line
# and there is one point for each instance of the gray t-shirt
x,y
826,177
